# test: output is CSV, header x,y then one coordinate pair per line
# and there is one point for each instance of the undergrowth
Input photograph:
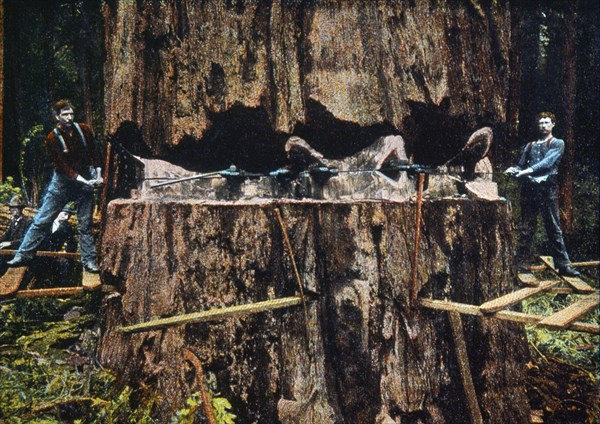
x,y
49,372
572,346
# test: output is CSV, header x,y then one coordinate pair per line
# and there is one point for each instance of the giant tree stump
x,y
353,360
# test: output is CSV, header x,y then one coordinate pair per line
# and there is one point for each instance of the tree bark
x,y
567,58
365,354
175,70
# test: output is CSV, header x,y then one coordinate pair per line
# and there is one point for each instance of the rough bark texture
x,y
353,361
231,75
213,83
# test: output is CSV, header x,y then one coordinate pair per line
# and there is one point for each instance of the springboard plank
x,y
90,281
569,314
575,282
516,297
58,291
45,253
518,317
11,280
528,279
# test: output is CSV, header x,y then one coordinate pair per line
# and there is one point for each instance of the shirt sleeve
x,y
551,158
523,156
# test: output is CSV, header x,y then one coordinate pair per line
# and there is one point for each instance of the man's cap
x,y
16,202
68,209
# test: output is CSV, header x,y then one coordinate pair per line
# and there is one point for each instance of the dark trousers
x,y
541,199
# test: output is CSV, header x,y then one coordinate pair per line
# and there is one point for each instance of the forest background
x,y
55,49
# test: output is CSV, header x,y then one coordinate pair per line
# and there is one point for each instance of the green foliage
x,y
33,163
221,407
574,347
123,409
186,415
44,380
8,189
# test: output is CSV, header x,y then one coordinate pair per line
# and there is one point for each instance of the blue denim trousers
x,y
61,191
541,199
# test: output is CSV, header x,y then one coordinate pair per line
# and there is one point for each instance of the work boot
x,y
18,261
568,271
91,266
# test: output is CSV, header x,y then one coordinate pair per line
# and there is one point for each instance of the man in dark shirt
x,y
17,227
537,171
72,149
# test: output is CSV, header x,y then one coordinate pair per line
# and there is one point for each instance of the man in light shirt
x,y
537,171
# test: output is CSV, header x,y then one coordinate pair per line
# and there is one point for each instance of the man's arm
x,y
518,168
93,152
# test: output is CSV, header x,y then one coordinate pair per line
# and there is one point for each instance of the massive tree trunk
x,y
232,75
207,84
364,352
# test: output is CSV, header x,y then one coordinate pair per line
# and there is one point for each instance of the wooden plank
x,y
572,312
57,291
213,314
587,263
561,290
536,416
577,283
90,280
460,346
528,279
74,255
516,297
574,264
519,317
11,280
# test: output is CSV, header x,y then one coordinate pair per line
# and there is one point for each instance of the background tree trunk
x,y
353,360
566,33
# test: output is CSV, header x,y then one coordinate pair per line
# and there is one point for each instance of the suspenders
x,y
528,148
62,140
